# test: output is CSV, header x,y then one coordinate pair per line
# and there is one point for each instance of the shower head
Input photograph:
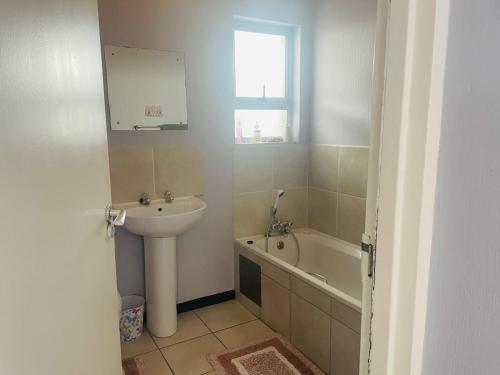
x,y
280,193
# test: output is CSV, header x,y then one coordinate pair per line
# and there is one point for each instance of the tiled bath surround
x,y
258,172
154,170
325,187
337,190
323,328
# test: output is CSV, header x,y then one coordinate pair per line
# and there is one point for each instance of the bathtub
x,y
327,263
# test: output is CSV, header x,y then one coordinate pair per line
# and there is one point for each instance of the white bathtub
x,y
336,260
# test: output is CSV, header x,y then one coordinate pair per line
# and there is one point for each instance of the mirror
x,y
146,89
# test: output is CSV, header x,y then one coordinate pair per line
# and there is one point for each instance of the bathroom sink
x,y
160,223
163,220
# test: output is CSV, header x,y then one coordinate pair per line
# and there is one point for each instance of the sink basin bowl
x,y
163,220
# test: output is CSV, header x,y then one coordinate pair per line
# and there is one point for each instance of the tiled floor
x,y
200,332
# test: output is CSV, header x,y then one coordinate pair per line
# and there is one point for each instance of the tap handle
x,y
169,196
144,199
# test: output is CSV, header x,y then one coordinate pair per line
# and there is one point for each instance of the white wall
x,y
203,30
344,36
463,326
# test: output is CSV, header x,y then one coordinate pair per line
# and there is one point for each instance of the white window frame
x,y
265,103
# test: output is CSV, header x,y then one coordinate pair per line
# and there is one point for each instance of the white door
x,y
370,237
58,302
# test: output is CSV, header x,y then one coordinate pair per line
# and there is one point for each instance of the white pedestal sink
x,y
160,223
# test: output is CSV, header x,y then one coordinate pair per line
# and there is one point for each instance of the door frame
x,y
415,59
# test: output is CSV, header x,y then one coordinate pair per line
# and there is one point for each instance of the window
x,y
263,70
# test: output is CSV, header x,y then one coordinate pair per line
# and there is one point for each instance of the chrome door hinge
x,y
367,247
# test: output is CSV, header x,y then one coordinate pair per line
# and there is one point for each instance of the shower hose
x,y
296,244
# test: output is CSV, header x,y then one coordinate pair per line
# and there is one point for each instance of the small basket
x,y
132,318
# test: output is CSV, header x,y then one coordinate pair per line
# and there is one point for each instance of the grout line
x,y
152,338
236,325
140,354
218,339
154,171
168,364
338,145
212,332
330,339
197,337
254,192
308,182
186,340
205,324
267,191
273,151
337,194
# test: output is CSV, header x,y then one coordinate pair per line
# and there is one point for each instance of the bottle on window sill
x,y
257,133
239,133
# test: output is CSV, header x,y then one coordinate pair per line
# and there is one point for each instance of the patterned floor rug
x,y
133,367
273,356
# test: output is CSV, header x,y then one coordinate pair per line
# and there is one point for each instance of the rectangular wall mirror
x,y
146,89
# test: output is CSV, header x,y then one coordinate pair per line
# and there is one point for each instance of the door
x,y
370,236
57,269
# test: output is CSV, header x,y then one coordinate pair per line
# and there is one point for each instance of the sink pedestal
x,y
160,223
161,285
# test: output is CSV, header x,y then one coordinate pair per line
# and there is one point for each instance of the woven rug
x,y
133,366
272,356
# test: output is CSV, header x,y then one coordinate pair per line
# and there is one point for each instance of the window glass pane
x,y
260,61
271,123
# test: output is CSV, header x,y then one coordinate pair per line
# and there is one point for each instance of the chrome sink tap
x,y
169,197
144,199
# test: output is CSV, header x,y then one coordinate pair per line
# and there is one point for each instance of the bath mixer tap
x,y
281,227
284,228
144,199
275,224
169,197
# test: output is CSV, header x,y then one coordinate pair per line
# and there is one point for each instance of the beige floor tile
x,y
224,315
155,364
244,334
142,345
189,326
189,358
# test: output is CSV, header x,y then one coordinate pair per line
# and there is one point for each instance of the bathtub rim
x,y
329,290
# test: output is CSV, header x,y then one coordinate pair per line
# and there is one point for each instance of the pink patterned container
x,y
132,318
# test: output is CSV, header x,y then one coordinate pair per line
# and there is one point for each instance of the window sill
x,y
264,143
